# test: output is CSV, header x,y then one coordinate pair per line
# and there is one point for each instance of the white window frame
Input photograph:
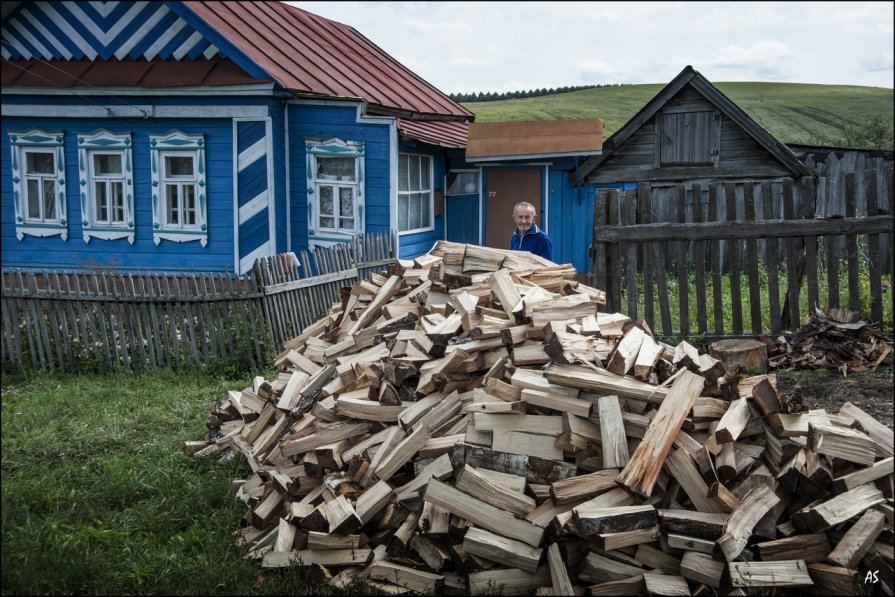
x,y
38,141
176,143
105,142
337,148
429,191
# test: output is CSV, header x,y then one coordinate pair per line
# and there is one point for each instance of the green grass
x,y
99,499
792,112
727,303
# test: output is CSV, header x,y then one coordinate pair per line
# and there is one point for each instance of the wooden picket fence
x,y
768,235
108,322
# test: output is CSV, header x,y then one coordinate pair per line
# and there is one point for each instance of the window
x,y
38,177
335,190
414,192
461,182
107,185
179,194
688,138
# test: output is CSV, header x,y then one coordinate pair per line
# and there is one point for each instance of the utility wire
x,y
103,91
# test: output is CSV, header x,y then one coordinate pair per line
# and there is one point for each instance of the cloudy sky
x,y
505,46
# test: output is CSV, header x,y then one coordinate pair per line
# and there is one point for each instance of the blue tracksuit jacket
x,y
535,241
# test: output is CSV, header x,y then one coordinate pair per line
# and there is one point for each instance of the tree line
x,y
492,96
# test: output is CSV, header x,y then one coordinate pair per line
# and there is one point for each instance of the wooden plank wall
x,y
112,322
794,250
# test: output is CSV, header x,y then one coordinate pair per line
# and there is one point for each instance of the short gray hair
x,y
526,205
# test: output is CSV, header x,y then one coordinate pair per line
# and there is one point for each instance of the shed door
x,y
506,188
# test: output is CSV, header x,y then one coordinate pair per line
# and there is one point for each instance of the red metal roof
x,y
308,53
448,134
127,73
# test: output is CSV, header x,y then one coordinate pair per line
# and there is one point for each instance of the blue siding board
x,y
63,11
248,133
462,219
175,43
253,233
278,124
160,28
25,23
143,255
119,11
24,42
198,49
324,122
252,181
126,33
62,37
91,12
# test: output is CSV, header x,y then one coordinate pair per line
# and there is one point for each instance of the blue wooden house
x,y
201,135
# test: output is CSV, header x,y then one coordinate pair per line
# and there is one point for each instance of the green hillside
x,y
793,112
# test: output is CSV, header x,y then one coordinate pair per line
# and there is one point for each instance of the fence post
x,y
598,248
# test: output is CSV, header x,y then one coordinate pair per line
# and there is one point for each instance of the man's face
x,y
524,218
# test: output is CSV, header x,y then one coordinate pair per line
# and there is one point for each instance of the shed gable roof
x,y
689,76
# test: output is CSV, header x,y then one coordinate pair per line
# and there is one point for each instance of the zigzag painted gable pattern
x,y
102,30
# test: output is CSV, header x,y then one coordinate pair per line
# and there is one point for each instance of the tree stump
x,y
751,355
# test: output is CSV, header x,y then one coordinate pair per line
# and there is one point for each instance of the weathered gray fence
x,y
794,251
125,322
291,302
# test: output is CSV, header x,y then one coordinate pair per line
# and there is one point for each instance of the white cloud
x,y
758,53
883,62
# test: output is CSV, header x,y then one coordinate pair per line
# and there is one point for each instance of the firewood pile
x,y
471,421
838,339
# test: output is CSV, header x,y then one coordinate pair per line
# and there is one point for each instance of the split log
x,y
512,581
501,549
701,568
820,517
814,547
559,575
785,573
858,539
415,580
479,486
482,514
642,469
594,521
880,434
612,432
665,584
741,522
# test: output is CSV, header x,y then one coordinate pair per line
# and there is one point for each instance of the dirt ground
x,y
823,388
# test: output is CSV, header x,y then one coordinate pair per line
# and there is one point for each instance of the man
x,y
528,237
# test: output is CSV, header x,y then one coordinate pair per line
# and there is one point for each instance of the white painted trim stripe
x,y
10,39
86,21
153,50
187,45
7,55
251,154
246,263
62,111
30,37
58,45
124,21
66,28
217,91
210,52
142,32
253,207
